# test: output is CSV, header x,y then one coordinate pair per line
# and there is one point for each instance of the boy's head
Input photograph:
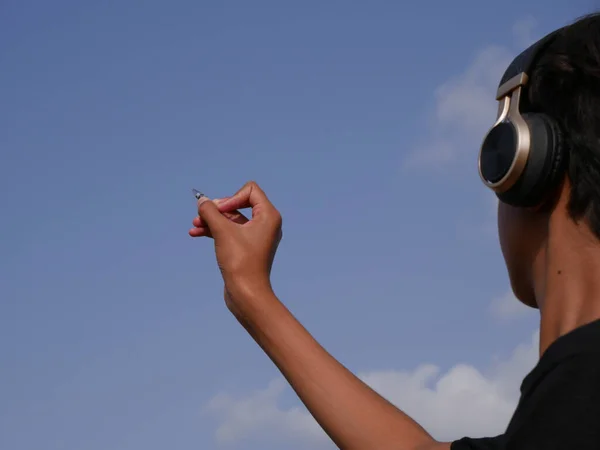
x,y
564,86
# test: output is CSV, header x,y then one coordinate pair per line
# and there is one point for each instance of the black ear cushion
x,y
559,156
545,165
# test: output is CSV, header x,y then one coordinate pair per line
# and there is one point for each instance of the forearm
x,y
351,413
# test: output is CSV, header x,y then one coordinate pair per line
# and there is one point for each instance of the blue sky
x,y
361,122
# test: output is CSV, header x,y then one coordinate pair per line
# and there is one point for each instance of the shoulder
x,y
569,388
561,410
568,383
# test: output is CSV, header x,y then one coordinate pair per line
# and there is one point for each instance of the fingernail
x,y
202,200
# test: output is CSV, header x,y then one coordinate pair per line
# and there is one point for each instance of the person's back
x,y
542,158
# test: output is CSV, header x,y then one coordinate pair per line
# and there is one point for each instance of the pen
x,y
198,194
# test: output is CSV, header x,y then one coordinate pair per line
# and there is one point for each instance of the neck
x,y
567,280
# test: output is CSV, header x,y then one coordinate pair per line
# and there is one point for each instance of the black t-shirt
x,y
559,407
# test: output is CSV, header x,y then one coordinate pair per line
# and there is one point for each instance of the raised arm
x,y
353,415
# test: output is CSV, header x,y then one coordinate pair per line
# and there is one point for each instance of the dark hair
x,y
565,85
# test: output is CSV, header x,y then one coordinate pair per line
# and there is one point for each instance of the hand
x,y
245,248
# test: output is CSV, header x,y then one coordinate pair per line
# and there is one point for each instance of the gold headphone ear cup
x,y
497,153
545,163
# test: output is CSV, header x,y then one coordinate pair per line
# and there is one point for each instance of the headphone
x,y
522,156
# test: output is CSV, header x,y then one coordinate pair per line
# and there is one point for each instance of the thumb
x,y
210,214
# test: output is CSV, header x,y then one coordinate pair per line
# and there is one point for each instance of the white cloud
x,y
462,401
465,106
259,411
508,307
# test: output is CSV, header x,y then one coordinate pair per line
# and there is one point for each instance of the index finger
x,y
249,196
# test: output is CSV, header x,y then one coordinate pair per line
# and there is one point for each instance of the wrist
x,y
250,300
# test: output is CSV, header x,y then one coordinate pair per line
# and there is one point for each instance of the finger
x,y
249,196
235,216
212,217
197,222
220,201
200,232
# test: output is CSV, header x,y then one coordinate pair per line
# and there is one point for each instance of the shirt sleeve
x,y
563,412
495,443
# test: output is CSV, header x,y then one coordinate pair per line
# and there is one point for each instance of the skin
x,y
553,263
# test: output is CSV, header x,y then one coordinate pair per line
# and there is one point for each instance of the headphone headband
x,y
517,73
